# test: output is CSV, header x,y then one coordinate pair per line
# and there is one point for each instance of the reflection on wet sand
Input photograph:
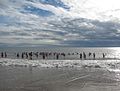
x,y
57,79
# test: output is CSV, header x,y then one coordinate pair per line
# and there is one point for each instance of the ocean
x,y
72,53
69,73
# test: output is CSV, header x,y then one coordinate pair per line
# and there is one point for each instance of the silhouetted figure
x,y
22,56
17,55
30,55
26,55
5,55
84,55
40,53
90,54
80,55
54,55
2,55
104,55
36,54
77,53
43,56
63,54
57,56
68,53
50,54
93,55
72,53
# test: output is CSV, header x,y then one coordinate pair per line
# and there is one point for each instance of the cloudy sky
x,y
60,23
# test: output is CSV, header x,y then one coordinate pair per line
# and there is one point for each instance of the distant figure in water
x,y
26,55
93,55
72,53
43,55
68,53
22,55
5,55
84,55
18,55
2,55
57,56
89,54
104,55
30,55
63,54
80,55
36,54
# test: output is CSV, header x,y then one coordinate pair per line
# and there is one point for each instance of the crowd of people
x,y
3,55
43,55
55,55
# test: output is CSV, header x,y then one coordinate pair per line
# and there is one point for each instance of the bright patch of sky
x,y
60,22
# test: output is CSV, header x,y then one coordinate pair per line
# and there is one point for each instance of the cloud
x,y
36,11
55,22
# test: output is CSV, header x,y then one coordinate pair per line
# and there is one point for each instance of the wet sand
x,y
57,79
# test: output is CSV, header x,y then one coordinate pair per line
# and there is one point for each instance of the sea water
x,y
111,52
16,78
54,79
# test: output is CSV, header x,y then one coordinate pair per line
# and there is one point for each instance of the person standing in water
x,y
30,55
5,55
22,55
104,55
80,55
57,56
93,55
17,55
26,55
2,55
84,55
43,55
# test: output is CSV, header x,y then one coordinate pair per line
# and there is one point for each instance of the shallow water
x,y
14,78
112,52
62,79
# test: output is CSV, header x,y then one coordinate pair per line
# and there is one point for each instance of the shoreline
x,y
61,63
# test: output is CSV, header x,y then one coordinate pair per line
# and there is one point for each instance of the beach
x,y
59,75
59,45
57,79
69,73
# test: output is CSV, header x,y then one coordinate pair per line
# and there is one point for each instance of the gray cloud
x,y
26,28
88,28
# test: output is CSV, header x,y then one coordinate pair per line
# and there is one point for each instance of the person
x,y
84,55
17,55
43,56
63,54
80,55
2,55
77,53
30,55
93,55
89,54
22,56
5,55
36,54
104,55
68,53
54,55
57,56
26,55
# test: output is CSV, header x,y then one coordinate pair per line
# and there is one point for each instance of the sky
x,y
72,23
